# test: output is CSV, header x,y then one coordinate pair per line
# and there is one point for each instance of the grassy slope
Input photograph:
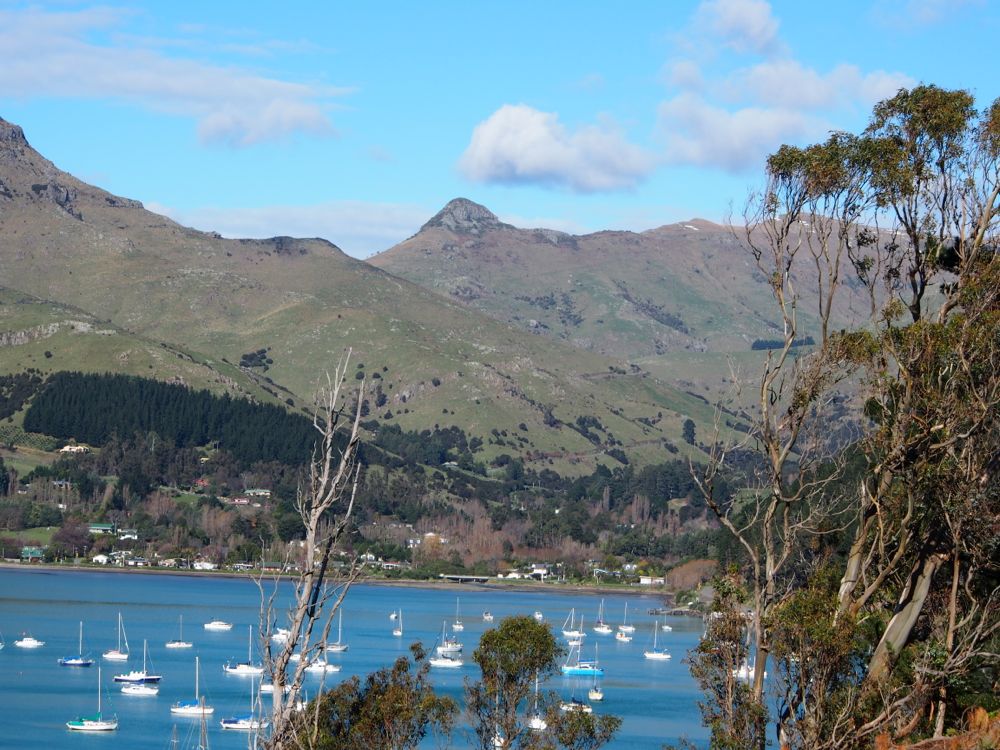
x,y
306,302
612,292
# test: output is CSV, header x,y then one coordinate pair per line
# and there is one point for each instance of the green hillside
x,y
303,302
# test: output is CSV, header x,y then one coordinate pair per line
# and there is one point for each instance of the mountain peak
x,y
464,217
11,133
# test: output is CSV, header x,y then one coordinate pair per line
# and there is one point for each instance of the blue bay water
x,y
657,701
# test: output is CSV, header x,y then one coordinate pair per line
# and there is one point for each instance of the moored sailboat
x,y
339,647
79,660
118,653
248,722
601,627
196,707
246,667
179,641
657,654
625,627
449,645
596,693
97,722
142,675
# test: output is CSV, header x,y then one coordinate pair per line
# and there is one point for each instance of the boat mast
x,y
81,638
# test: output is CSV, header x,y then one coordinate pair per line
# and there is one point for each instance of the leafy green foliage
x,y
395,709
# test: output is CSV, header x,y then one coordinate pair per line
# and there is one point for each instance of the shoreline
x,y
492,585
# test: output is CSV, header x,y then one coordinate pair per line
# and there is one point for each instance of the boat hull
x,y
92,725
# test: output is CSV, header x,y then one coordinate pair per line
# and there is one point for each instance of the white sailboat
x,y
569,628
179,641
625,627
487,616
140,688
601,627
746,672
657,654
117,653
577,640
196,707
320,665
247,722
339,647
536,721
575,704
246,667
596,693
457,626
449,645
97,722
398,630
623,637
281,635
139,675
78,660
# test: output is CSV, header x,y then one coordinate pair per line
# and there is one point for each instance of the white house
x,y
99,559
204,565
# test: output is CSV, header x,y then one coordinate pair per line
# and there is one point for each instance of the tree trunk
x,y
911,602
949,641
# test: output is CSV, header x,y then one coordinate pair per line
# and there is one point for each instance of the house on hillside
x,y
71,449
101,528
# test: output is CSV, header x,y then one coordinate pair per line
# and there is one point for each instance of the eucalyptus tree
x,y
904,216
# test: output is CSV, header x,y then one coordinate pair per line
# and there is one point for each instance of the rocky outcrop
x,y
462,216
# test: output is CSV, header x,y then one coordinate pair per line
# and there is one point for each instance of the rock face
x,y
463,216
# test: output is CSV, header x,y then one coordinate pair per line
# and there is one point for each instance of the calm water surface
x,y
656,700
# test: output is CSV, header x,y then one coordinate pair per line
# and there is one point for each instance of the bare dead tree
x,y
319,580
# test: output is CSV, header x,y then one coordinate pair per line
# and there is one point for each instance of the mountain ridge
x,y
304,303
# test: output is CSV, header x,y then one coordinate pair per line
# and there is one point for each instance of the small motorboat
x,y
26,641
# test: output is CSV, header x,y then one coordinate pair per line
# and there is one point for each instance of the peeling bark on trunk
x,y
911,602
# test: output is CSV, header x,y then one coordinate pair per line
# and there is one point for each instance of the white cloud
x,y
909,13
521,145
743,25
788,83
357,227
685,74
55,54
702,134
729,114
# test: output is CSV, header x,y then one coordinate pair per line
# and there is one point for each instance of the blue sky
x,y
358,121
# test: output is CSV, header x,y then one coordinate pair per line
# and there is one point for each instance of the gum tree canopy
x,y
871,582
